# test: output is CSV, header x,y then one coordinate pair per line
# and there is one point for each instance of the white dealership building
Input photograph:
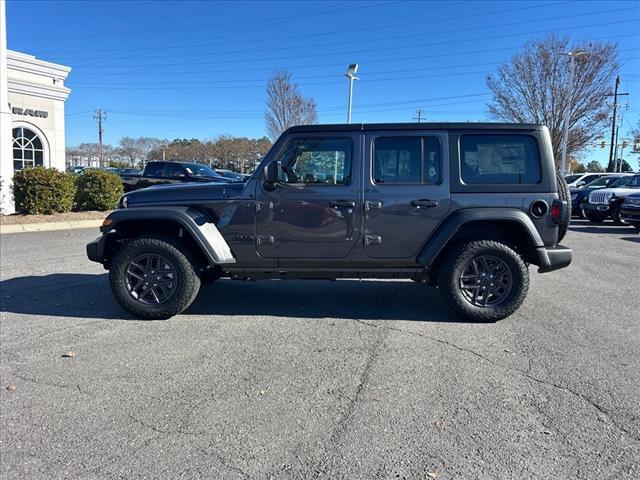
x,y
32,97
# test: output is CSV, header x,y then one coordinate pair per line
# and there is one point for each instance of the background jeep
x,y
464,207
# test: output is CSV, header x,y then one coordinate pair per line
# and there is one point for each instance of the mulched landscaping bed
x,y
19,218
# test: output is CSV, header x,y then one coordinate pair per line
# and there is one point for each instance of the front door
x,y
406,191
315,210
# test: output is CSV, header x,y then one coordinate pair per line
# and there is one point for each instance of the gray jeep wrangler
x,y
464,207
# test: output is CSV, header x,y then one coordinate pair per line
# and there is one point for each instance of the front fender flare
x,y
447,230
194,220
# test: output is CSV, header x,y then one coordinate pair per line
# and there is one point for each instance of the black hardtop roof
x,y
342,127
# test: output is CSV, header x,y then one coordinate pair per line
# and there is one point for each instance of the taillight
x,y
556,211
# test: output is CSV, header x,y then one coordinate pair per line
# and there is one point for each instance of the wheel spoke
x,y
147,287
486,281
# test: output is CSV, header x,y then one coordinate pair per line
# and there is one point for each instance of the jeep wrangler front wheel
x,y
154,277
483,281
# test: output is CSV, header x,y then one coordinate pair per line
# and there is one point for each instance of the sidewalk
x,y
44,223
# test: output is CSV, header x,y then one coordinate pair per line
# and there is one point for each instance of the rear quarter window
x,y
499,159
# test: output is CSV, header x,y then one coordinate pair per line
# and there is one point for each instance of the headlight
x,y
608,197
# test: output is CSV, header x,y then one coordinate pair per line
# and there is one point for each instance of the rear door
x,y
406,190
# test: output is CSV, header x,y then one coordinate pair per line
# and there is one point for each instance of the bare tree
x,y
90,152
533,87
138,149
285,106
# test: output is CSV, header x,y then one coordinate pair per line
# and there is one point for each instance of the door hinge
x,y
266,240
372,240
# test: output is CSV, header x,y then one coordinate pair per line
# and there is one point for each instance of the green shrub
x,y
43,190
98,190
119,164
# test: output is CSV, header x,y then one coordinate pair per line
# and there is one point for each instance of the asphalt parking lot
x,y
300,379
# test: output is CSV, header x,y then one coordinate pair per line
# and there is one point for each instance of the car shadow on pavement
x,y
589,227
635,239
89,296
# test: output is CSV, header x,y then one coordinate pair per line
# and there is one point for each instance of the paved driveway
x,y
299,379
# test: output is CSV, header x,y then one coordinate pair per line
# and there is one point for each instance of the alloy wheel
x,y
151,279
486,281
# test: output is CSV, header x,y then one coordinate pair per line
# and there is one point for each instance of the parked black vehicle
x,y
607,202
580,196
234,176
158,173
465,207
630,210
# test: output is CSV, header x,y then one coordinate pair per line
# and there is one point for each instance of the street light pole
x,y
351,75
573,54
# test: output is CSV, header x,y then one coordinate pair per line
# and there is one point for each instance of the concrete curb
x,y
50,226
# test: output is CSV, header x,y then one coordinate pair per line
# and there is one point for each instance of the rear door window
x,y
154,169
406,160
499,159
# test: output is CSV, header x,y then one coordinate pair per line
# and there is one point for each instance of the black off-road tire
x,y
187,281
615,215
581,213
451,270
565,196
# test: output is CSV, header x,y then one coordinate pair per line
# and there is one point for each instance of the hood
x,y
183,194
619,192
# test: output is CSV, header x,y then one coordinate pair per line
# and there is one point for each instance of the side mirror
x,y
271,173
581,184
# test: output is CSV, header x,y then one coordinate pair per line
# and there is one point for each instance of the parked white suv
x,y
578,180
607,201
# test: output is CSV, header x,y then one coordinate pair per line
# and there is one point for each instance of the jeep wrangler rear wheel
x,y
483,281
154,277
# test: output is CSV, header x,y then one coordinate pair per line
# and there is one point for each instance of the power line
x,y
357,52
370,26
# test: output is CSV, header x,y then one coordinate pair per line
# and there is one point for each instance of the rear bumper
x,y
96,249
554,258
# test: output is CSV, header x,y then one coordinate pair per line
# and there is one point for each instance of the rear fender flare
x,y
195,221
452,224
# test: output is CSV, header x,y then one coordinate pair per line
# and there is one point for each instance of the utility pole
x,y
418,117
100,116
612,167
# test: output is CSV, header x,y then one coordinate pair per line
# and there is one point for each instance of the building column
x,y
7,205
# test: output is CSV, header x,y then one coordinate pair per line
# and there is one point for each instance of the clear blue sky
x,y
198,69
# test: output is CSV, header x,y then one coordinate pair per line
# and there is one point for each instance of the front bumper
x,y
597,208
96,249
630,214
554,258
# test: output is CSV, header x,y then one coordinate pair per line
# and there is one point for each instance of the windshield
x,y
622,181
602,182
572,178
635,182
197,170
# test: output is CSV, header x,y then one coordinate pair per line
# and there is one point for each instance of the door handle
x,y
342,204
424,203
